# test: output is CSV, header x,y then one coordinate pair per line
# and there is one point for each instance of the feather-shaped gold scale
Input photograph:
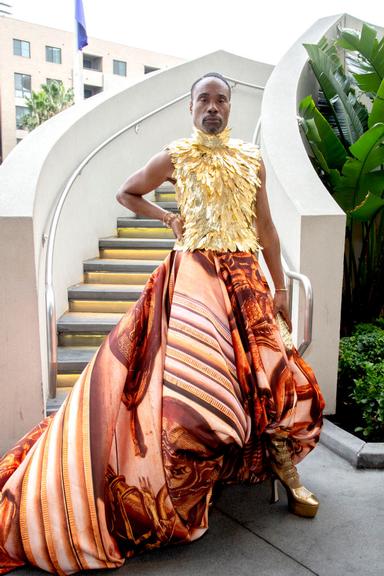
x,y
216,184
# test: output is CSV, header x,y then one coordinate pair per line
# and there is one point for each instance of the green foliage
x,y
329,151
42,105
367,65
369,395
361,379
345,130
339,90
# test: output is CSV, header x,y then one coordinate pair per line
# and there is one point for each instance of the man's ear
x,y
190,106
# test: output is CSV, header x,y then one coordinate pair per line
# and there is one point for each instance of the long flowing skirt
x,y
179,396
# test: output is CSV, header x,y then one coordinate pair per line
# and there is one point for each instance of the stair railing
x,y
50,236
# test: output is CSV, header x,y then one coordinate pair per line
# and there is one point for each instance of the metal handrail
x,y
257,132
308,306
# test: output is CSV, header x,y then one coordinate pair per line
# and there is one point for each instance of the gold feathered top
x,y
216,182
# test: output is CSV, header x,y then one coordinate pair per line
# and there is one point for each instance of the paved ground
x,y
250,537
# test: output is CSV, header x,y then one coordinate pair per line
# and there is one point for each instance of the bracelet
x,y
168,219
281,289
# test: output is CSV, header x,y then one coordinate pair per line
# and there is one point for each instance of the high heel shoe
x,y
300,500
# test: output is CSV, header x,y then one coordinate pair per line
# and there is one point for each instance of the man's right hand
x,y
177,227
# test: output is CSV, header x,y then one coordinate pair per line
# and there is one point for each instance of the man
x,y
210,108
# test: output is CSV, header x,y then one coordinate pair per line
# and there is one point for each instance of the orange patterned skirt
x,y
179,396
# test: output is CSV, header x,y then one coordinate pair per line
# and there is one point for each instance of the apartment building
x,y
32,55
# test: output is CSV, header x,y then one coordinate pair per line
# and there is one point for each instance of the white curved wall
x,y
310,223
36,171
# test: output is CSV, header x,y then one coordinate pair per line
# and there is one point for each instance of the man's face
x,y
210,105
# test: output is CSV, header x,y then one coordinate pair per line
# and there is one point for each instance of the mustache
x,y
212,117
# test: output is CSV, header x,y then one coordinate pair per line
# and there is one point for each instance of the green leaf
x,y
368,65
326,146
377,112
338,88
368,208
362,172
368,142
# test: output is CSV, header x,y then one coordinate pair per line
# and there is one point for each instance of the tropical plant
x,y
360,398
51,99
345,130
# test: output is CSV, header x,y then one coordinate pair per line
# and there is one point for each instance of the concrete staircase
x,y
112,283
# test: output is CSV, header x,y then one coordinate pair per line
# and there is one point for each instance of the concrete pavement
x,y
250,537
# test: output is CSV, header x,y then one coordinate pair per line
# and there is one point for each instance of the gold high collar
x,y
211,140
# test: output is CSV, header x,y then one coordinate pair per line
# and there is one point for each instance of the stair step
x,y
165,187
134,253
115,278
118,271
90,297
141,243
80,339
118,306
165,196
104,292
81,322
167,205
53,404
120,265
135,248
133,221
73,359
128,227
145,233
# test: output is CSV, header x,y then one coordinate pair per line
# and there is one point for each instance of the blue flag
x,y
82,39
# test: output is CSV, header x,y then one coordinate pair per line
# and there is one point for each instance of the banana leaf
x,y
368,208
368,65
338,88
362,172
326,146
377,112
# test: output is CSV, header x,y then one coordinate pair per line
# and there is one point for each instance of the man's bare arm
x,y
157,170
270,242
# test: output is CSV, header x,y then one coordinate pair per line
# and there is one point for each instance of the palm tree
x,y
51,99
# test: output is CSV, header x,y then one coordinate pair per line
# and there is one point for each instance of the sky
x,y
261,31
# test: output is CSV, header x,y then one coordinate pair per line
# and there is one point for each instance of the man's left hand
x,y
280,304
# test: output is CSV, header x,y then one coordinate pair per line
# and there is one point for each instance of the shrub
x,y
368,393
360,401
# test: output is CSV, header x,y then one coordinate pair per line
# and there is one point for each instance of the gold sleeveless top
x,y
216,182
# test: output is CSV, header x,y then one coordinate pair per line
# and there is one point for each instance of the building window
x,y
148,69
91,90
22,85
91,62
119,67
21,111
21,48
53,54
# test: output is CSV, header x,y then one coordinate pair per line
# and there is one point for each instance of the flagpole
x,y
78,87
80,40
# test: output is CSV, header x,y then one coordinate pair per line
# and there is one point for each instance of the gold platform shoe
x,y
300,500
